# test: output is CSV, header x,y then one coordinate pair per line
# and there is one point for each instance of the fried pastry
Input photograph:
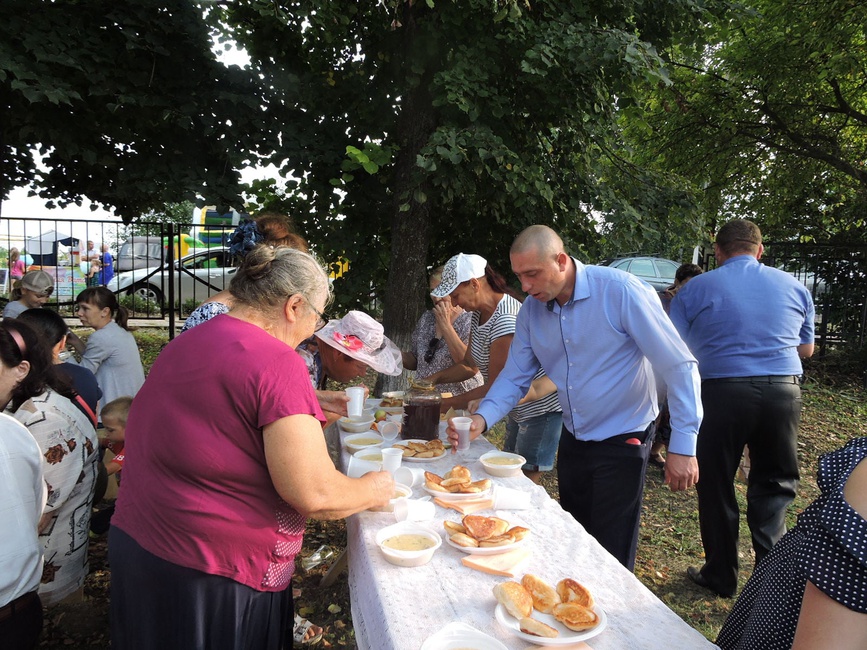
x,y
518,532
544,596
571,591
453,527
434,487
514,598
499,540
484,527
430,477
576,617
537,628
459,472
462,539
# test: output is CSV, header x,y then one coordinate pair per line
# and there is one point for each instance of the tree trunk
x,y
410,229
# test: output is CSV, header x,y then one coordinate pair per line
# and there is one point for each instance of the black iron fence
x,y
157,270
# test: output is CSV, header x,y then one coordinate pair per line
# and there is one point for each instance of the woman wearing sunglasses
x,y
439,341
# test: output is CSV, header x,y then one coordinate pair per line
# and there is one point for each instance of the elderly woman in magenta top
x,y
226,460
111,352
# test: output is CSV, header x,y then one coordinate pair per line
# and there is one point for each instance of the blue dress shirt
x,y
744,319
600,349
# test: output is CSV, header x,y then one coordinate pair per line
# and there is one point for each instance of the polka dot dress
x,y
828,547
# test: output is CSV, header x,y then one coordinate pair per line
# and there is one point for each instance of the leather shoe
x,y
695,575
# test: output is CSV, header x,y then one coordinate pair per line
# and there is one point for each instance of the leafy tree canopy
x,y
125,103
768,119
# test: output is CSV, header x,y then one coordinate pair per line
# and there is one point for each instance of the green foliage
x,y
488,117
125,103
137,304
769,119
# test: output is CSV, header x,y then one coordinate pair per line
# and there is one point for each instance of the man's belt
x,y
9,610
758,379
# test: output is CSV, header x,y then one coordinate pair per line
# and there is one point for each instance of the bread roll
x,y
576,617
544,596
514,598
537,628
571,591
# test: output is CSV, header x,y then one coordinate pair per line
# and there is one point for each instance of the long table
x,y
397,608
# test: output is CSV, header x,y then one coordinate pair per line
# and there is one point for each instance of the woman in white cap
x,y
34,290
533,427
351,345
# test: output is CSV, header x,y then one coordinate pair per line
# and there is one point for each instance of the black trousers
x,y
602,486
764,413
21,622
157,605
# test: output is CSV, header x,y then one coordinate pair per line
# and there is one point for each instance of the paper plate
x,y
460,635
485,550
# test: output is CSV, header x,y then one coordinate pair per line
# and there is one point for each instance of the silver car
x,y
658,272
196,276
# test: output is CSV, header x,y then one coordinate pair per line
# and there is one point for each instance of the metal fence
x,y
161,271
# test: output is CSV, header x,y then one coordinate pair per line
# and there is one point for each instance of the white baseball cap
x,y
460,268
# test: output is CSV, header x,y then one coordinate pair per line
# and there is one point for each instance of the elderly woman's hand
x,y
382,484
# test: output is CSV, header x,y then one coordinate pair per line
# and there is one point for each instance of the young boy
x,y
113,416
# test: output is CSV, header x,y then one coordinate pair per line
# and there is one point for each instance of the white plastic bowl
x,y
371,454
358,441
408,558
356,424
512,469
401,492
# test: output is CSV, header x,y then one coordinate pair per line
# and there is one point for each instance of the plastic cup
x,y
356,401
511,499
391,459
409,476
358,467
388,430
462,426
414,510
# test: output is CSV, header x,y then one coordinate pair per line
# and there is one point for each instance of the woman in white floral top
x,y
36,396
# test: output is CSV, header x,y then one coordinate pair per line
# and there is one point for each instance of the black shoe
x,y
695,575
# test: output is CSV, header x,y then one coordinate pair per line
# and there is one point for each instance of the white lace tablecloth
x,y
397,608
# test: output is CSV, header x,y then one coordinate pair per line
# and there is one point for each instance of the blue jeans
x,y
535,439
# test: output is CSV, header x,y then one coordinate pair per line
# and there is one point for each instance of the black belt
x,y
760,379
9,610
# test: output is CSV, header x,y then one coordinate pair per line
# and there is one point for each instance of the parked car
x,y
140,252
656,271
196,276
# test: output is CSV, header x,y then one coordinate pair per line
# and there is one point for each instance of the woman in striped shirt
x,y
532,427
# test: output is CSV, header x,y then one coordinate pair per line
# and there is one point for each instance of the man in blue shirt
x,y
748,325
599,334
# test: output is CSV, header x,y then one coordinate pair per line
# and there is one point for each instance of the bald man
x,y
599,334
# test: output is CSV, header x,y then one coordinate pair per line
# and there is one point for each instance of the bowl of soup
x,y
400,492
356,424
502,463
408,544
359,441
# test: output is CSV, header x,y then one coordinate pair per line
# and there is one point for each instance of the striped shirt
x,y
502,323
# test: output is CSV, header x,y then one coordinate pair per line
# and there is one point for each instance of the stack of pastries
x,y
456,481
476,531
570,603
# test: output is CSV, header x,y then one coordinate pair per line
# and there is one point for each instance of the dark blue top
x,y
84,382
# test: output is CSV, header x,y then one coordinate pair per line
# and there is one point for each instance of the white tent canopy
x,y
46,243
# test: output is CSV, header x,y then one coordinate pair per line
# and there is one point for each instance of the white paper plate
x,y
413,459
460,635
456,496
485,550
567,636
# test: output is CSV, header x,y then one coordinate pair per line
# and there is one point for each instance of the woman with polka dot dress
x,y
810,591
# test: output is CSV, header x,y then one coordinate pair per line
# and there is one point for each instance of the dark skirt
x,y
157,605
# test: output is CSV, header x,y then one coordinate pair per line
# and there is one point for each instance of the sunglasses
x,y
431,349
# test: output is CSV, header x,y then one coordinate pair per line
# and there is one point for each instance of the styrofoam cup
x,y
356,401
391,459
409,476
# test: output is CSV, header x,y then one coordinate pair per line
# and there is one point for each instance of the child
x,y
113,416
94,272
